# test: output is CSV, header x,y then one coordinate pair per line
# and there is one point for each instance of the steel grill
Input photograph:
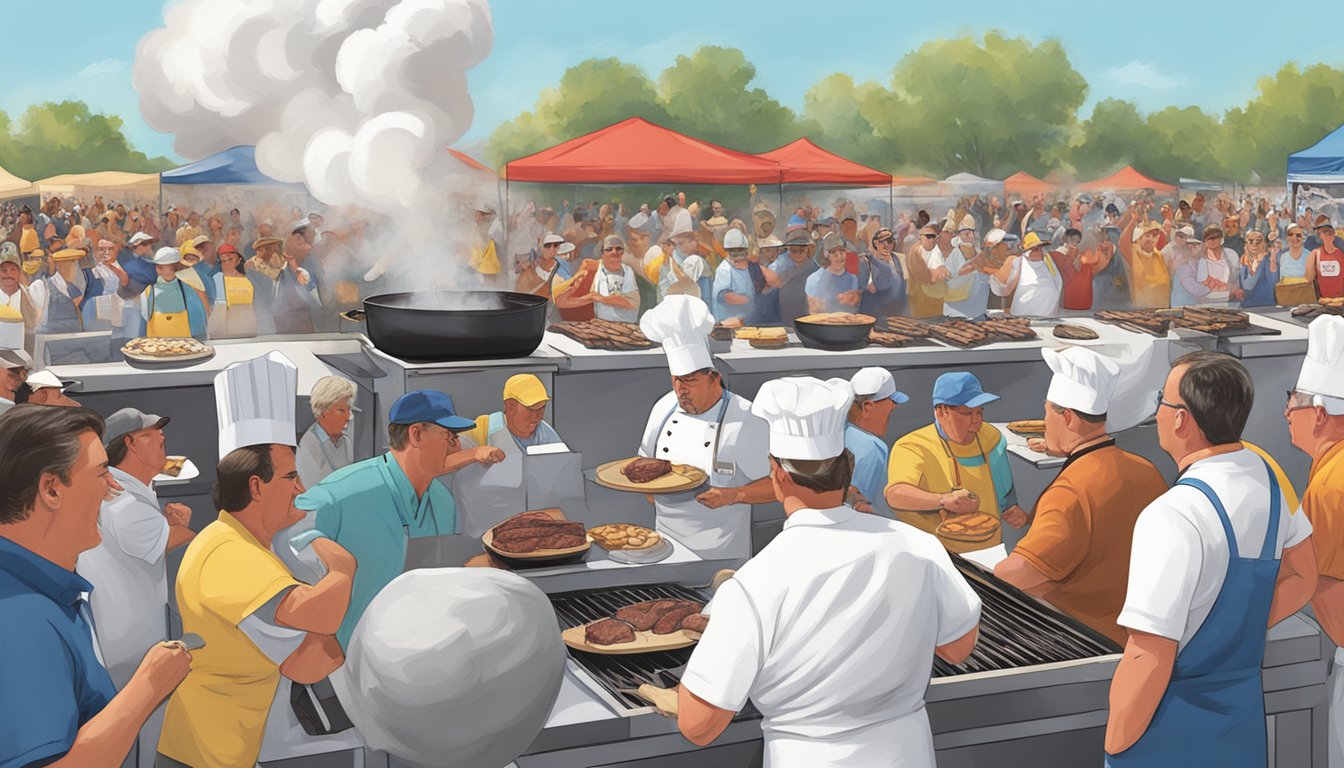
x,y
633,670
1016,631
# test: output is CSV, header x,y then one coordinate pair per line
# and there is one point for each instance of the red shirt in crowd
x,y
1329,274
1077,292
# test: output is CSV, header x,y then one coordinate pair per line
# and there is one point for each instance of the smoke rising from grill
x,y
355,98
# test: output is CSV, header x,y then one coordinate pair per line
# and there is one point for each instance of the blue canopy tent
x,y
231,179
1320,164
237,165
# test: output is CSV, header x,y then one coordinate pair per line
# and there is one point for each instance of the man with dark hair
x,y
853,695
373,507
1076,553
129,568
1215,561
57,704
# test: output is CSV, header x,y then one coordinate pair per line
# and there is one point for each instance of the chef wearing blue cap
x,y
955,466
875,397
373,507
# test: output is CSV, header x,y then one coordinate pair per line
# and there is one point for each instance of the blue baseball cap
x,y
427,405
960,388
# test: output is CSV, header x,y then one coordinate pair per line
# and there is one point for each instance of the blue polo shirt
x,y
51,682
371,509
827,287
870,466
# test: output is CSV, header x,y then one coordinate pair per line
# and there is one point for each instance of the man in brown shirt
x,y
1076,553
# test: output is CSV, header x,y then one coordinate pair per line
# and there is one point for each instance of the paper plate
x,y
655,554
189,472
683,477
645,642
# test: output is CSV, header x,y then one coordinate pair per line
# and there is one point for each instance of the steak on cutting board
x,y
696,622
609,632
646,470
671,621
642,616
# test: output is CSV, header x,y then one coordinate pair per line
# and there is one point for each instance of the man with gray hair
x,y
326,447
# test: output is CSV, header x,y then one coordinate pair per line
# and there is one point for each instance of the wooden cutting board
x,y
645,642
683,477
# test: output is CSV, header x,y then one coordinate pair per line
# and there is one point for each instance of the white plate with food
x,y
640,475
537,536
631,544
647,627
178,469
166,351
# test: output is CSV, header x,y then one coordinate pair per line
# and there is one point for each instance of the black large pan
x,y
449,325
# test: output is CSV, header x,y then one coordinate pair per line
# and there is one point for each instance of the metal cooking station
x,y
1035,691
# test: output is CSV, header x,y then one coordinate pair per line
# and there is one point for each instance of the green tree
x,y
848,119
67,137
707,95
1114,136
1292,110
591,95
990,107
1182,142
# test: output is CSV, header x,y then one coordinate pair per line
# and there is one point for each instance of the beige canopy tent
x,y
12,186
114,186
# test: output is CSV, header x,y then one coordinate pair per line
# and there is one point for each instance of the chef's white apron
x,y
903,743
723,533
1038,289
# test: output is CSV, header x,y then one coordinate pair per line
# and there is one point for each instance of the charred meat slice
x,y
671,621
524,545
646,470
609,632
523,520
642,616
696,622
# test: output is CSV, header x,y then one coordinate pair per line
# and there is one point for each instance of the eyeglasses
x,y
885,240
614,249
1173,406
1295,403
1296,234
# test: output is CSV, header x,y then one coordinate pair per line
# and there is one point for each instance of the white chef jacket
x,y
1179,556
130,577
1038,290
682,438
835,658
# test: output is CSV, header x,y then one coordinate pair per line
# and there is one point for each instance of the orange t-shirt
x,y
1083,528
1324,504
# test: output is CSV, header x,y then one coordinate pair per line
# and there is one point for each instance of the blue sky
x,y
1155,53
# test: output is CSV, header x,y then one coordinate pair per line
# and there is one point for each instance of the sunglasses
x,y
614,249
885,240
929,237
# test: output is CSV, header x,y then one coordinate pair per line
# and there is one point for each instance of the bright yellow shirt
x,y
1323,503
216,717
1150,283
927,461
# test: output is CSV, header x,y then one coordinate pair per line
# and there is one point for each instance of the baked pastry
x,y
166,348
173,467
624,536
1027,427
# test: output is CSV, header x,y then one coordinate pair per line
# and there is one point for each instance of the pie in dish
x,y
163,347
837,318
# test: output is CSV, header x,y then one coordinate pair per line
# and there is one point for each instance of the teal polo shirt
x,y
371,509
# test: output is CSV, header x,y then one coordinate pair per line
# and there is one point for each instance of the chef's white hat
x,y
807,416
1323,369
255,403
682,325
1084,380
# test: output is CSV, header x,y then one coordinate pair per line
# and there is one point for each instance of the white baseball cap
x,y
167,255
877,384
45,380
142,237
551,238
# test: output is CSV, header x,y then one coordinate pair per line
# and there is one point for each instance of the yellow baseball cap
x,y
526,389
68,254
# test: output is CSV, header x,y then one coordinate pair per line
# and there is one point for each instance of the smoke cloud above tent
x,y
355,98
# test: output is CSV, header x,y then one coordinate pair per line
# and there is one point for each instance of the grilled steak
x,y
646,470
642,616
532,531
609,632
671,621
1075,332
696,622
523,545
523,520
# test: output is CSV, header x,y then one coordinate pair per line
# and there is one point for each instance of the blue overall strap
x,y
1272,534
1204,488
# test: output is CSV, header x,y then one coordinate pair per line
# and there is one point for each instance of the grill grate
x,y
662,668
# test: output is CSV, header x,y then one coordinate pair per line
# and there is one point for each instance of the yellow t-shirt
x,y
216,717
481,432
923,459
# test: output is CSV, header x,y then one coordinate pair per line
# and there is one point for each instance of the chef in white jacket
x,y
702,424
1032,279
811,629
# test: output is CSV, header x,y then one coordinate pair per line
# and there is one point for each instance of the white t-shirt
x,y
1180,553
611,283
129,577
813,632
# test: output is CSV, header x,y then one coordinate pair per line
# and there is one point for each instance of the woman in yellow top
x,y
234,316
955,466
1149,279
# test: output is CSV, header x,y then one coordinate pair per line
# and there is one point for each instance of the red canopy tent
x,y
1125,180
1023,183
635,151
469,161
803,162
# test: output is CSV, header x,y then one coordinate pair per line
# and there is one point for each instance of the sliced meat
x,y
550,540
609,632
671,621
696,622
642,616
523,520
646,470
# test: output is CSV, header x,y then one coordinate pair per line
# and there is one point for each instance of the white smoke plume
x,y
355,98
